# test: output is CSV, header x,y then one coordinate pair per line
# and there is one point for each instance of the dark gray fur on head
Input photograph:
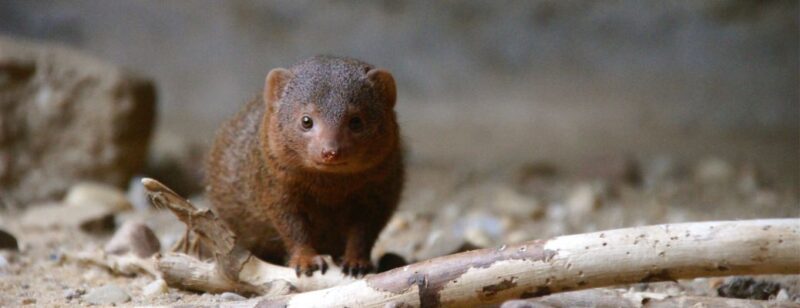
x,y
333,84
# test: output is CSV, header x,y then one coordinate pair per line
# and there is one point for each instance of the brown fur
x,y
263,176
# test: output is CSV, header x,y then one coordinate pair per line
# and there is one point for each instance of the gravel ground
x,y
447,208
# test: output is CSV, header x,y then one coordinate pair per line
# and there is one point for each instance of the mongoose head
x,y
331,114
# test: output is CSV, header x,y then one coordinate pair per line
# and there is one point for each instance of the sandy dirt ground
x,y
449,206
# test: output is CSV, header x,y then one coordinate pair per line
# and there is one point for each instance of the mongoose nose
x,y
330,155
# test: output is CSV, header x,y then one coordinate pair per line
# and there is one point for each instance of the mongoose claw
x,y
307,265
356,267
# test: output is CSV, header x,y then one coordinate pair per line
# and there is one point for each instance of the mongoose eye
x,y
356,124
306,122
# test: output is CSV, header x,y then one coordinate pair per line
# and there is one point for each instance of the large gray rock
x,y
66,117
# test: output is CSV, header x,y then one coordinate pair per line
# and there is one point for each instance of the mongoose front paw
x,y
307,263
356,266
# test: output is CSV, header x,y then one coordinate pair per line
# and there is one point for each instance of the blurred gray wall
x,y
516,74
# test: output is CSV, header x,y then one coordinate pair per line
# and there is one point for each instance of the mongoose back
x,y
314,166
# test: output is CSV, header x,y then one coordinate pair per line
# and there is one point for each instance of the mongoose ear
x,y
275,84
383,81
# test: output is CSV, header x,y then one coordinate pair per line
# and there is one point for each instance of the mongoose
x,y
314,166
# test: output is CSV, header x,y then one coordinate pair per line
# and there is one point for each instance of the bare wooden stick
x,y
537,268
626,299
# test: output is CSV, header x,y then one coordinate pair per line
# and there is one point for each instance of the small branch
x,y
538,268
128,264
212,232
235,269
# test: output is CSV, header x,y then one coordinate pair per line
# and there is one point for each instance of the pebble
x,y
477,237
94,274
155,288
583,200
3,264
535,171
746,287
231,297
73,293
28,301
614,168
713,170
107,295
95,193
749,179
782,296
8,241
134,237
660,169
89,217
509,201
439,242
518,236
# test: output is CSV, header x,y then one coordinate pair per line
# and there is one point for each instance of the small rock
x,y
93,274
509,201
28,301
535,171
518,236
73,293
746,287
439,242
477,237
134,237
583,200
660,169
107,295
750,179
400,222
615,169
56,256
231,297
100,194
89,217
713,170
8,241
155,288
442,235
405,235
104,224
782,296
4,265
